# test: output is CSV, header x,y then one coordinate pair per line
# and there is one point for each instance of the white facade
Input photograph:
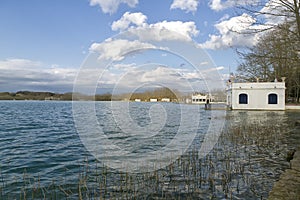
x,y
153,100
165,99
256,96
201,99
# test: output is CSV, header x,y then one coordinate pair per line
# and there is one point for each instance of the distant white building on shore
x,y
256,95
201,99
153,100
166,100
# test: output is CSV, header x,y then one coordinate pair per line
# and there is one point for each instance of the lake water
x,y
43,155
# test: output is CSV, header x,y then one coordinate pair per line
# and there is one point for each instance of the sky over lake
x,y
44,43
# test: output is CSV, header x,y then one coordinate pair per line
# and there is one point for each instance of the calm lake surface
x,y
42,155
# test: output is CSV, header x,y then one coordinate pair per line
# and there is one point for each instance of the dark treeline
x,y
30,95
156,94
144,96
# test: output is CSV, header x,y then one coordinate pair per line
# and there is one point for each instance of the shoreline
x,y
288,185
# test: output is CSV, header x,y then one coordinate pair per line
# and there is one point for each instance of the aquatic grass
x,y
237,167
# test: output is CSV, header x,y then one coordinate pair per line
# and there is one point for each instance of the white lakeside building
x,y
202,99
166,100
153,100
256,95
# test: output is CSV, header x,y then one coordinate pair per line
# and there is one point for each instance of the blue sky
x,y
44,43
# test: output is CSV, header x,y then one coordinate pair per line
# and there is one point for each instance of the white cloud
x,y
111,6
220,68
124,67
157,75
187,29
145,34
235,24
187,5
219,5
128,18
17,63
232,33
236,31
275,10
24,74
157,31
272,11
116,49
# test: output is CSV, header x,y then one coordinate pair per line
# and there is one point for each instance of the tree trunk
x,y
297,15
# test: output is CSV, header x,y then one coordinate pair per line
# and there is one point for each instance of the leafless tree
x,y
277,53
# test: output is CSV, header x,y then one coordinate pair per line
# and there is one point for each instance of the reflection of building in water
x,y
202,98
256,95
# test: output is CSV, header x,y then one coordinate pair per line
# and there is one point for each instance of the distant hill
x,y
145,96
29,95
